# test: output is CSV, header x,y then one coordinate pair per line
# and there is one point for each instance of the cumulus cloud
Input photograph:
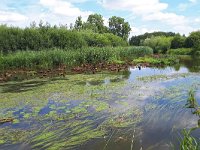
x,y
141,30
140,7
52,11
64,8
193,1
150,10
7,16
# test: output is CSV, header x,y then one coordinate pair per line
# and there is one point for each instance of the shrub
x,y
159,43
46,37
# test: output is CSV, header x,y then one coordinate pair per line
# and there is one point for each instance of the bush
x,y
46,37
159,44
178,42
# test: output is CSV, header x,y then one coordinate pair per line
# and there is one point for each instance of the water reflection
x,y
192,63
116,111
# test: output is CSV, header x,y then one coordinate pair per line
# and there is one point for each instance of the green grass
x,y
160,60
180,51
46,59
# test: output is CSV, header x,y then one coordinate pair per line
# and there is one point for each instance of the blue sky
x,y
143,15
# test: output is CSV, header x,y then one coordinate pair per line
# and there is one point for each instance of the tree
x,y
78,23
95,22
178,42
193,39
119,27
158,43
137,40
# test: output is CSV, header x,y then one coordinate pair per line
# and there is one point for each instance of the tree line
x,y
92,33
163,41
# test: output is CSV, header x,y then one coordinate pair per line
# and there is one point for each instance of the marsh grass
x,y
46,59
158,60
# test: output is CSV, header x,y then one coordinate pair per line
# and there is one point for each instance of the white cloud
x,y
193,1
141,30
53,11
140,7
197,20
61,7
151,10
169,18
7,16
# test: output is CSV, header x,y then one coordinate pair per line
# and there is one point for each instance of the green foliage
x,y
188,142
53,58
95,23
161,60
78,23
47,37
138,40
133,52
193,41
178,42
192,102
158,43
119,27
101,40
180,51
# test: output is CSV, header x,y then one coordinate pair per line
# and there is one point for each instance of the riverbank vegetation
x,y
171,43
45,46
47,59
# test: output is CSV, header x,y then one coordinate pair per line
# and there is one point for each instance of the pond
x,y
136,109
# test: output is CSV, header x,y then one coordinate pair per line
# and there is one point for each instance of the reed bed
x,y
51,58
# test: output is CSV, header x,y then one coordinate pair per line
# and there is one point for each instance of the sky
x,y
181,16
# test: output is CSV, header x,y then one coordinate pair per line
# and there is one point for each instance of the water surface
x,y
137,109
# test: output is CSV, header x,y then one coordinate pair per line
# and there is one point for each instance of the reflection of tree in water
x,y
126,74
192,63
177,67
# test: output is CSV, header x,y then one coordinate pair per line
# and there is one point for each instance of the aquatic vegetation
x,y
128,118
69,112
161,77
188,142
192,102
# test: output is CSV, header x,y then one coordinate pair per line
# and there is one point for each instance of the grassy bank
x,y
46,59
161,60
180,51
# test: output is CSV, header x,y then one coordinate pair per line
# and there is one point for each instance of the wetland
x,y
131,109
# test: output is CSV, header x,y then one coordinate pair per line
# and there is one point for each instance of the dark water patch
x,y
191,62
18,87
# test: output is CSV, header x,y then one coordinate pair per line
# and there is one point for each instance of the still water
x,y
133,110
